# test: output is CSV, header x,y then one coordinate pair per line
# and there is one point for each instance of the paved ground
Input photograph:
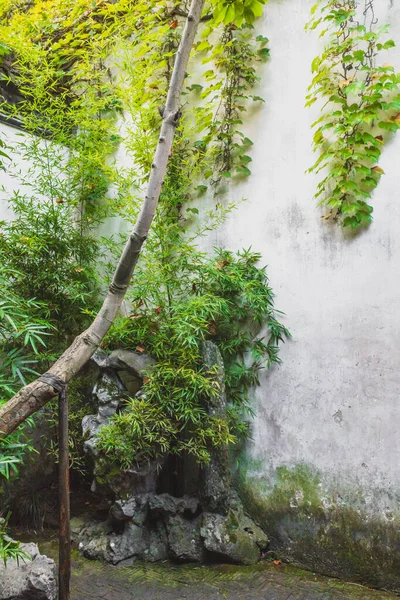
x,y
164,581
143,581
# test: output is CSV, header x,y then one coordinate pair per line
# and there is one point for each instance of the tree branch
x,y
35,395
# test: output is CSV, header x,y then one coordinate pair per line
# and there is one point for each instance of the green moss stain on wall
x,y
321,532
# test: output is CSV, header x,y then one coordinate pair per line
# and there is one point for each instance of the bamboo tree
x,y
35,395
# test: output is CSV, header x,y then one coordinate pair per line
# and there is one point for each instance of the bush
x,y
226,299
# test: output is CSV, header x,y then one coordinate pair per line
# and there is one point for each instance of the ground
x,y
266,581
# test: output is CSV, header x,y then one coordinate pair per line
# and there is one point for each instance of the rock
x,y
93,540
125,360
158,548
135,540
108,392
95,549
133,509
234,537
100,358
77,524
165,505
35,579
139,364
136,481
216,475
132,543
184,540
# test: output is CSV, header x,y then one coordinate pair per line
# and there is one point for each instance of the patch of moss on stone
x,y
331,539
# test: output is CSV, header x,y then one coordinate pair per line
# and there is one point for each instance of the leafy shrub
x,y
176,307
51,261
23,333
9,549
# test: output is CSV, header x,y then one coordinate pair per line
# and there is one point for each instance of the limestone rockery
x,y
145,525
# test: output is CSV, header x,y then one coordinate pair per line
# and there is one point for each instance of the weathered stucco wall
x,y
326,431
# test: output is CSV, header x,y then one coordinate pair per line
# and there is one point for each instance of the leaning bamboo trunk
x,y
35,395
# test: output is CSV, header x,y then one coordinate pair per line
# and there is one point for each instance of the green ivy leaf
x,y
264,52
243,171
256,8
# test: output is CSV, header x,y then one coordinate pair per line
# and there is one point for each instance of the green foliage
x,y
67,97
225,299
9,549
24,330
50,252
238,12
52,261
230,81
3,155
80,404
180,297
361,97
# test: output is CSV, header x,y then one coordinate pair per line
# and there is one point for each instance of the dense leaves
x,y
238,12
52,261
71,92
10,549
361,104
229,82
24,330
226,299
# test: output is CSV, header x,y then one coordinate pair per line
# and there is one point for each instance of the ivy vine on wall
x,y
230,81
360,94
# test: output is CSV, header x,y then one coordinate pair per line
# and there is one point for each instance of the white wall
x,y
340,292
10,136
334,403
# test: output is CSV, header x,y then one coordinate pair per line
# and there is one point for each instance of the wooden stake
x,y
64,572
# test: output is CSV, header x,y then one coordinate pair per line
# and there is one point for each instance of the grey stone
x,y
93,539
216,475
133,509
100,358
131,543
234,537
139,364
158,547
33,579
108,392
94,549
132,383
164,504
184,539
77,524
137,480
98,541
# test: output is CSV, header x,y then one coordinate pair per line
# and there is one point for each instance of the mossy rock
x,y
234,538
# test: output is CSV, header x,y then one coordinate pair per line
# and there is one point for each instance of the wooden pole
x,y
64,572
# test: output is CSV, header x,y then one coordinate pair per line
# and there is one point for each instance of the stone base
x,y
34,579
155,527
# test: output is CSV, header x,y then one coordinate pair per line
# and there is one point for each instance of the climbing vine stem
x,y
230,81
360,94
